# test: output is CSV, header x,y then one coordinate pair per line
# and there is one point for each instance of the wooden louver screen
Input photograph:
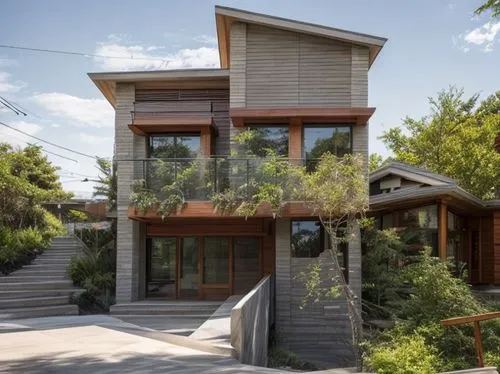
x,y
182,95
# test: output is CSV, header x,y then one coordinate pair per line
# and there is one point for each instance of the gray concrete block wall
x,y
250,325
127,146
317,332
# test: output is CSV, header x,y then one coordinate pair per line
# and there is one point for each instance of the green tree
x,y
455,140
107,186
27,179
493,5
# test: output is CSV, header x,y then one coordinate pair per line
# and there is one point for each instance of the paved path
x,y
101,344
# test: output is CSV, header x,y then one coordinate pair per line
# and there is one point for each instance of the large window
x,y
266,138
174,146
455,239
320,139
422,226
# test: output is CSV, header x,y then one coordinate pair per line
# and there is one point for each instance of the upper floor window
x,y
318,139
174,146
266,138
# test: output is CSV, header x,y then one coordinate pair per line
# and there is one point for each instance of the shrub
x,y
409,355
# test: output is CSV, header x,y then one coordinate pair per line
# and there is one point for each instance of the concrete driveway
x,y
101,344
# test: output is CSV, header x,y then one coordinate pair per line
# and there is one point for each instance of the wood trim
x,y
142,127
215,286
470,319
198,209
358,115
201,266
231,265
295,139
480,238
206,141
178,257
442,230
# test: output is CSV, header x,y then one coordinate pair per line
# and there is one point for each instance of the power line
x,y
46,141
6,103
44,150
83,54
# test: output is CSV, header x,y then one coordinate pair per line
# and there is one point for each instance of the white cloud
x,y
6,85
138,57
96,140
16,138
81,112
206,39
484,35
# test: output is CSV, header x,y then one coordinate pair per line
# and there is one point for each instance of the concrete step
x,y
39,272
42,260
202,308
37,285
22,294
33,302
57,252
44,311
57,266
30,278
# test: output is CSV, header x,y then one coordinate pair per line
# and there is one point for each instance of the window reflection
x,y
421,225
273,138
321,139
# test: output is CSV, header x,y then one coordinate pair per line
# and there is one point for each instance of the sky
x,y
432,44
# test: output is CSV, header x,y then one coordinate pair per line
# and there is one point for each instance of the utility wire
x,y
20,106
6,103
46,141
82,53
44,150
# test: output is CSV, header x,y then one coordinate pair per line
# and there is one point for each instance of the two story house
x,y
299,85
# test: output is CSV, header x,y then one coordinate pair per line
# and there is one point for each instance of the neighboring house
x,y
448,219
300,84
95,209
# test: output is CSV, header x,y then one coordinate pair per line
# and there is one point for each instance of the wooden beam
x,y
357,115
442,230
478,344
295,139
470,319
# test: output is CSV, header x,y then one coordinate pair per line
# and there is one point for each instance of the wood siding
x,y
496,245
287,69
187,102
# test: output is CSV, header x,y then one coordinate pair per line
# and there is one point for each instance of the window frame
x,y
326,125
175,135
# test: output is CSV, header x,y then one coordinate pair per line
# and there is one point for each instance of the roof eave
x,y
225,16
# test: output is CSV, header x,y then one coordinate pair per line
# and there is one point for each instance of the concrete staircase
x,y
41,288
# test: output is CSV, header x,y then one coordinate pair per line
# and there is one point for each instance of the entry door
x,y
189,258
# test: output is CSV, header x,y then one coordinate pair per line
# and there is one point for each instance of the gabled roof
x,y
412,173
226,16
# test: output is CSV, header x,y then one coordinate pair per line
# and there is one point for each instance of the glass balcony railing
x,y
199,179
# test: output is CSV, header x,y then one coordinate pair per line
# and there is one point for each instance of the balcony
x,y
168,116
196,181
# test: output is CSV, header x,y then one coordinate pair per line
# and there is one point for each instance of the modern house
x,y
299,85
454,223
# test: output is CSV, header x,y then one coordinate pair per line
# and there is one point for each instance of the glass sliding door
x,y
216,260
189,283
162,265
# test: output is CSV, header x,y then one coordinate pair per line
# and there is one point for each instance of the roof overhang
x,y
161,79
406,174
359,116
225,17
456,197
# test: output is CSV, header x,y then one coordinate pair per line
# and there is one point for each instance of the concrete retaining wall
x,y
488,370
250,325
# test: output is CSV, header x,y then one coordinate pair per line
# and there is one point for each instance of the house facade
x,y
449,220
298,85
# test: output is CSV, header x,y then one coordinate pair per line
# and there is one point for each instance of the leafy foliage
x,y
455,140
430,293
27,179
493,5
410,355
107,183
95,270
